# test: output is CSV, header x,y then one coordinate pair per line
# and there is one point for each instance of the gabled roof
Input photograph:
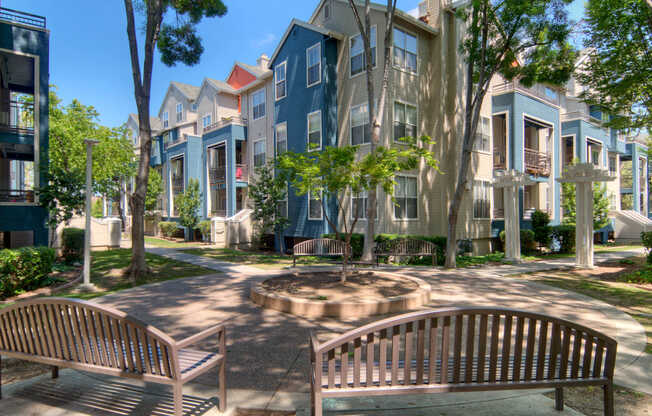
x,y
254,70
154,122
189,91
380,7
219,85
309,26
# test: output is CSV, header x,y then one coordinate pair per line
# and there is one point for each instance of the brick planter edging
x,y
315,309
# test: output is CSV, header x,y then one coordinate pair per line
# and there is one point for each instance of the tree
x,y
267,192
542,231
618,38
337,172
375,113
187,205
63,193
178,42
522,40
600,205
154,189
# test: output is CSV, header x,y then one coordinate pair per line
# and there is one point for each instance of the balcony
x,y
498,213
217,174
225,121
16,196
19,119
581,115
182,139
539,91
537,163
177,184
500,159
22,18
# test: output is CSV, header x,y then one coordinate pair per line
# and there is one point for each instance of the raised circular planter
x,y
311,308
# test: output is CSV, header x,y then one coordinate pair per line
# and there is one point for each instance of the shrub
x,y
27,268
73,244
168,228
438,241
205,229
564,235
540,227
646,238
357,242
97,210
527,240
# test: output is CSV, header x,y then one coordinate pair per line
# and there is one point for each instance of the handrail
x,y
225,122
22,17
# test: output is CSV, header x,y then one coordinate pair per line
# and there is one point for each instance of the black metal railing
x,y
16,195
22,17
177,184
20,118
499,213
218,173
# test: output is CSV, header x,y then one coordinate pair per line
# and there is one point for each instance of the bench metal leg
x,y
178,399
609,399
222,380
55,371
559,399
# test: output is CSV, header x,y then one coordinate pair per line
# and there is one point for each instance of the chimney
x,y
263,61
429,11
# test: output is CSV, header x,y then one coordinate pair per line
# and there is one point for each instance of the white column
x,y
584,224
512,226
87,285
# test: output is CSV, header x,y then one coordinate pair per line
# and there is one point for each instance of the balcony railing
x,y
537,163
22,17
20,118
499,213
538,90
177,184
16,195
225,121
218,173
241,173
581,115
181,139
500,159
626,181
218,213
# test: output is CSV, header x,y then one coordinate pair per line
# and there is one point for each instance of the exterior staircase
x,y
232,231
629,224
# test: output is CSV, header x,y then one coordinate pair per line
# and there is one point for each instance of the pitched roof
x,y
154,122
309,26
220,85
190,91
254,70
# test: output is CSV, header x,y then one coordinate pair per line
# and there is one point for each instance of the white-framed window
x,y
258,103
314,130
356,51
405,120
482,142
315,211
405,194
481,199
613,165
166,119
259,152
193,107
594,152
281,138
206,121
179,112
313,65
360,127
405,51
166,137
280,86
282,206
359,204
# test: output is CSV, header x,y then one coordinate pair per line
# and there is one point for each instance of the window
x,y
483,136
314,206
359,204
360,127
281,138
405,51
405,194
327,11
594,152
166,137
356,50
613,168
258,103
282,207
259,153
313,64
179,112
481,199
206,121
405,121
193,107
314,131
165,120
279,80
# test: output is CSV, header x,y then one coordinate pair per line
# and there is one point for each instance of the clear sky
x,y
89,52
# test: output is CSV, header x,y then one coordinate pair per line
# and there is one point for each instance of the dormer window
x,y
165,120
179,112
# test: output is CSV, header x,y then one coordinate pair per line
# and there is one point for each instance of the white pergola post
x,y
583,175
511,181
87,285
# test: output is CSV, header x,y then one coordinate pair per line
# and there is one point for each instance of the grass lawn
x,y
108,266
625,284
270,261
176,243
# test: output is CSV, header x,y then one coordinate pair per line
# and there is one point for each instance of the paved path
x,y
268,350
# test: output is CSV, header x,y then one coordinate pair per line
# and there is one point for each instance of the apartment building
x,y
24,75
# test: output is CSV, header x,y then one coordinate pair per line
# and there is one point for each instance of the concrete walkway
x,y
268,350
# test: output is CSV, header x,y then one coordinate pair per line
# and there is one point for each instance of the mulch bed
x,y
588,401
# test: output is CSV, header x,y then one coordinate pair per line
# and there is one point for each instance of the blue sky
x,y
89,53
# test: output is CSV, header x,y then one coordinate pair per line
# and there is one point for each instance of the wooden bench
x,y
405,248
319,247
430,352
86,336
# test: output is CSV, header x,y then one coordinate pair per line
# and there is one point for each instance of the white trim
x,y
491,205
351,124
287,201
253,153
491,136
306,25
276,126
561,149
264,91
364,71
409,175
393,120
321,207
316,45
284,63
321,132
599,142
507,136
539,120
209,121
416,36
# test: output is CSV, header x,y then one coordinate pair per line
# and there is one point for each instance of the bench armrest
x,y
217,329
314,345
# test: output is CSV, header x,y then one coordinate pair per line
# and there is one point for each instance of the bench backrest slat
x,y
320,247
466,346
405,247
86,333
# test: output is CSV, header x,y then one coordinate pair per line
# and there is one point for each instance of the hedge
x,y
527,240
565,237
27,268
357,242
168,228
438,241
205,229
73,244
